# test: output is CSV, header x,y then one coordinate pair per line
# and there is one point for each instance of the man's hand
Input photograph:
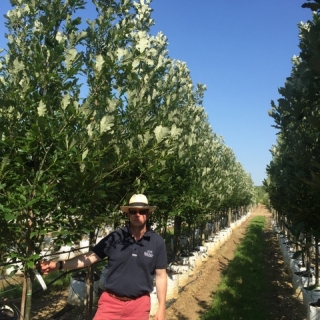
x,y
45,267
160,315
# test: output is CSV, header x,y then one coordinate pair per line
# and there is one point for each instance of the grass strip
x,y
243,285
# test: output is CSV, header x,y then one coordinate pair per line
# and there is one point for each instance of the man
x,y
136,255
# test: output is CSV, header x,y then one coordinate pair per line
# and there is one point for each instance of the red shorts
x,y
110,308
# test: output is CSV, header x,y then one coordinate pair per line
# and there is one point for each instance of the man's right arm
x,y
78,262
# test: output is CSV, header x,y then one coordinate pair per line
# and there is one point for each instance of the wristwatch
x,y
60,265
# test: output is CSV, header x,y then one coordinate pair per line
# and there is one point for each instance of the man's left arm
x,y
161,287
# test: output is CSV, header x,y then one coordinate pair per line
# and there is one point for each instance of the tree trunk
x,y
177,234
29,296
229,217
202,233
23,298
317,261
90,282
89,292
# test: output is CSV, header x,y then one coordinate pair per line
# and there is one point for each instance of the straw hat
x,y
138,201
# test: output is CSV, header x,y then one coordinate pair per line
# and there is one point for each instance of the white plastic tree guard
x,y
78,289
313,312
173,285
310,296
84,246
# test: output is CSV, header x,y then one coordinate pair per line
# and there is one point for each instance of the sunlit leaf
x,y
71,55
99,62
106,123
65,101
143,44
42,109
160,132
84,154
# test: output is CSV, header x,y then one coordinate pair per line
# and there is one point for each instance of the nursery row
x,y
181,272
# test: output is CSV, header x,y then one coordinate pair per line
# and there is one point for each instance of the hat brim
x,y
127,208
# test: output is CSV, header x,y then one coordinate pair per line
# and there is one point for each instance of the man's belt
x,y
122,298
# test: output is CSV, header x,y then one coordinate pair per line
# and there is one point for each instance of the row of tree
x,y
262,196
93,112
293,182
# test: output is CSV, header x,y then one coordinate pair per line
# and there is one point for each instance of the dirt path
x,y
196,297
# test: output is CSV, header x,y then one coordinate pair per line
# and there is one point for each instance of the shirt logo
x,y
149,253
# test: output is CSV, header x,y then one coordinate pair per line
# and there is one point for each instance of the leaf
x,y
175,131
121,53
85,109
106,124
60,37
65,101
82,167
90,128
99,62
33,233
42,109
5,162
18,66
135,63
84,154
9,216
146,137
143,44
160,132
31,202
153,52
314,6
71,56
150,62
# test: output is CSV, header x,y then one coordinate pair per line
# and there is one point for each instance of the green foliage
x,y
261,195
293,183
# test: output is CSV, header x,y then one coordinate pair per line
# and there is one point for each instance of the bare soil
x,y
195,298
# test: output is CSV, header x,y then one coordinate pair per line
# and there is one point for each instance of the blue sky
x,y
242,50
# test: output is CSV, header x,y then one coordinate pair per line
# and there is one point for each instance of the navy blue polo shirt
x,y
132,264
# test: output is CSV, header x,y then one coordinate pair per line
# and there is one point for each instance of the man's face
x,y
138,217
